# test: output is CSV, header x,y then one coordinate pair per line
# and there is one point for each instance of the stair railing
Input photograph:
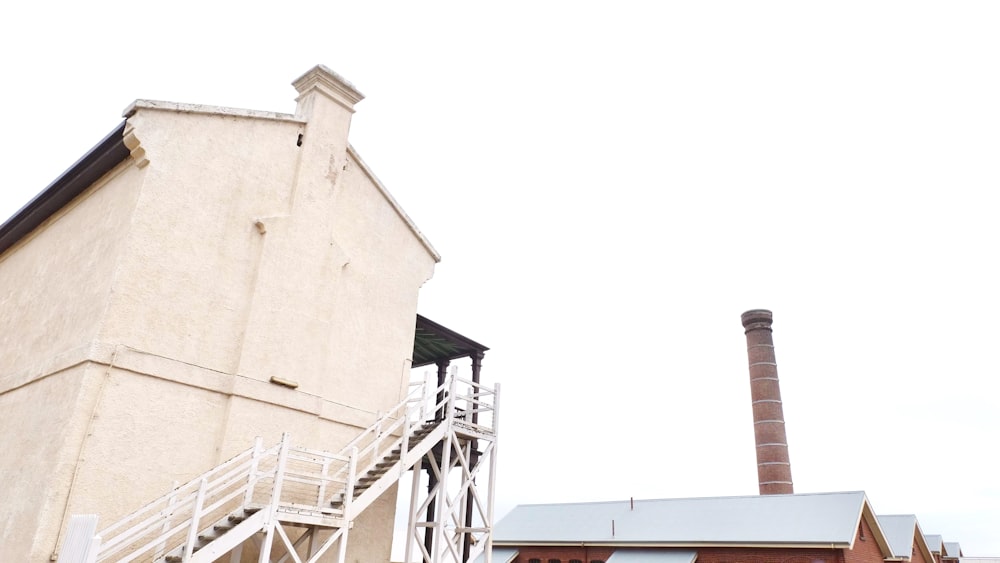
x,y
149,528
393,428
276,486
302,479
185,506
310,477
479,403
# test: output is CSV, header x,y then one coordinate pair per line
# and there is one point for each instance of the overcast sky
x,y
610,186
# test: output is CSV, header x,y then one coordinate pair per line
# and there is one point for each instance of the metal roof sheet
x,y
935,542
900,530
652,556
823,518
952,549
500,555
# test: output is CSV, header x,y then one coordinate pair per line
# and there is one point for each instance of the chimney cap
x,y
331,84
757,318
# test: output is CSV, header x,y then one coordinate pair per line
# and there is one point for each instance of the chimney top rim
x,y
757,317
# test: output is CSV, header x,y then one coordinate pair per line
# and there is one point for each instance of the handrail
x,y
180,505
401,406
166,498
399,415
416,410
311,478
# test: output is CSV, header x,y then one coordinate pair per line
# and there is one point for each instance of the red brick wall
x,y
705,555
563,554
918,555
768,555
866,549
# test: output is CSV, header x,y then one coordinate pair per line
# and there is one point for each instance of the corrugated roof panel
x,y
826,518
653,556
899,530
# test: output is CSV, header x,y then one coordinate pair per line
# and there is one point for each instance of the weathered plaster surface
x,y
55,284
45,424
149,315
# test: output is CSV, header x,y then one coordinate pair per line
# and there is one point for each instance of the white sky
x,y
611,185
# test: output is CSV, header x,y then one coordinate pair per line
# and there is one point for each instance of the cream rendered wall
x,y
55,283
381,264
184,284
239,246
147,433
44,424
54,290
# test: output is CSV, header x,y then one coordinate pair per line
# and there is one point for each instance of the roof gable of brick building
x,y
801,520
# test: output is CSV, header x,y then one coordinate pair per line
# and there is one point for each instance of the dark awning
x,y
434,343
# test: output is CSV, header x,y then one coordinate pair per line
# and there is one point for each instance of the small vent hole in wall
x,y
298,142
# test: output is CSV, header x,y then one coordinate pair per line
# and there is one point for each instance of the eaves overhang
x,y
97,162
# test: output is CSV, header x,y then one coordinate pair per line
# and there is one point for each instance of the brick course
x,y
866,549
563,554
774,474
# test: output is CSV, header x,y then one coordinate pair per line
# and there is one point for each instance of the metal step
x,y
382,467
220,530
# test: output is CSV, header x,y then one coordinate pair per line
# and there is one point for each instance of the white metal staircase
x,y
270,504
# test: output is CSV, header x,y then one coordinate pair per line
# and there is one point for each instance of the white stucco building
x,y
202,276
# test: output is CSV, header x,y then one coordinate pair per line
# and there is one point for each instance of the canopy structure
x,y
439,345
436,344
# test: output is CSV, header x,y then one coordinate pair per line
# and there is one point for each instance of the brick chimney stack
x,y
774,473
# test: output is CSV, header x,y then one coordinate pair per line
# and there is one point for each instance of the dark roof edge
x,y
458,346
424,322
97,162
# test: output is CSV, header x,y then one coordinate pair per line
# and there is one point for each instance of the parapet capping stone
x,y
133,144
330,84
178,107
